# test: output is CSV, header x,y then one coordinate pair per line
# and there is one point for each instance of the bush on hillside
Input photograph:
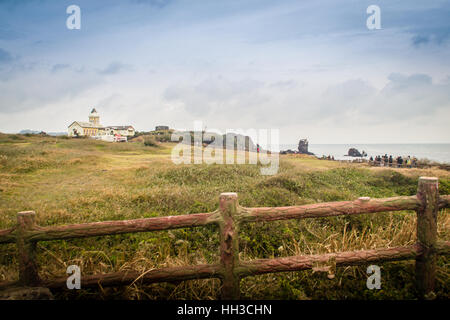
x,y
164,137
150,141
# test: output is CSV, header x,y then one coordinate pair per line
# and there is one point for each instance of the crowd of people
x,y
385,161
389,161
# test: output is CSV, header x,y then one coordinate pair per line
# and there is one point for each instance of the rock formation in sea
x,y
353,152
303,147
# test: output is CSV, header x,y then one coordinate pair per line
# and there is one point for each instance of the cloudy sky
x,y
311,69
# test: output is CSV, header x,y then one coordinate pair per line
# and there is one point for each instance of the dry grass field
x,y
80,180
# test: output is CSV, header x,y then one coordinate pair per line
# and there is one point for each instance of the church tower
x,y
94,118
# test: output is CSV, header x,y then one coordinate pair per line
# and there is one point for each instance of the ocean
x,y
439,152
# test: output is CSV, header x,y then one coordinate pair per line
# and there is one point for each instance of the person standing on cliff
x,y
408,162
399,161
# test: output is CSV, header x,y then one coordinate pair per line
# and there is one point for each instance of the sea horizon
x,y
439,152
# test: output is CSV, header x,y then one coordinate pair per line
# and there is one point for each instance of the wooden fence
x,y
229,217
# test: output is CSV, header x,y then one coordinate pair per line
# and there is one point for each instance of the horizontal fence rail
x,y
229,217
110,227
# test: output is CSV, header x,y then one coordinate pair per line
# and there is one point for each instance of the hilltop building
x,y
93,128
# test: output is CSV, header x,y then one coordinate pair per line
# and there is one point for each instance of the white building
x,y
126,131
93,128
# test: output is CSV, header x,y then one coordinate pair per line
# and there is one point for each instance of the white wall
x,y
74,126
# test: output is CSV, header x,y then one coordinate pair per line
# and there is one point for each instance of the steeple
x,y
94,118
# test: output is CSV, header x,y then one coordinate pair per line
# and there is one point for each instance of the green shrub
x,y
150,141
16,137
165,137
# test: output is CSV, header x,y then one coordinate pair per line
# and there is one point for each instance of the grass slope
x,y
80,180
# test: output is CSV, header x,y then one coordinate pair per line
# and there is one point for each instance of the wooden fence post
x,y
26,250
229,246
427,236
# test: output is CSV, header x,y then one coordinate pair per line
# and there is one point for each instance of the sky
x,y
310,69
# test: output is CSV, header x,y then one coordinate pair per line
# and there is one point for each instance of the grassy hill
x,y
83,180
